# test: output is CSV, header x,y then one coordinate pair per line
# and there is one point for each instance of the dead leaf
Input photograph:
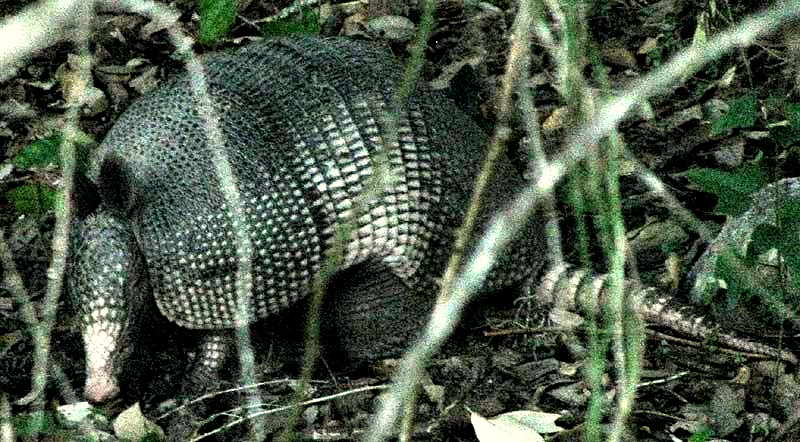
x,y
131,424
515,426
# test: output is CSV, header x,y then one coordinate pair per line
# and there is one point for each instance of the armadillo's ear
x,y
86,198
115,186
468,91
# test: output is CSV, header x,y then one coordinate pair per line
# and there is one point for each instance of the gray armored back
x,y
300,118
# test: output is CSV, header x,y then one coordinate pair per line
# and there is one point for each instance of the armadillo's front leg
x,y
205,371
203,377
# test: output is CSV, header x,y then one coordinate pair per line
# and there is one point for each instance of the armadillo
x,y
301,118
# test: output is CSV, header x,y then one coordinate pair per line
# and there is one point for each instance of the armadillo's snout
x,y
101,383
100,387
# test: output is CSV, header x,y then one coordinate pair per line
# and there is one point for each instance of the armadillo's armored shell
x,y
301,119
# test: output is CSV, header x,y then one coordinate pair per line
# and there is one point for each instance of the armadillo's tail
x,y
565,289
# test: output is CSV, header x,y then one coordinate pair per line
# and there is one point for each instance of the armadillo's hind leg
x,y
370,313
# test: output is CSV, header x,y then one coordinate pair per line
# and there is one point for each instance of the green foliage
x,y
40,154
732,188
785,236
41,424
763,299
307,23
787,136
33,199
45,153
792,113
742,113
216,18
655,57
701,436
789,245
754,287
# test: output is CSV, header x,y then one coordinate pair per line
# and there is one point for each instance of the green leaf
x,y
750,289
754,286
38,422
47,153
732,188
787,215
33,199
787,136
216,18
764,238
784,236
307,23
701,436
40,154
784,136
792,113
742,113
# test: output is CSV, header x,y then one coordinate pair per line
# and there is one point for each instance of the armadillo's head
x,y
103,279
